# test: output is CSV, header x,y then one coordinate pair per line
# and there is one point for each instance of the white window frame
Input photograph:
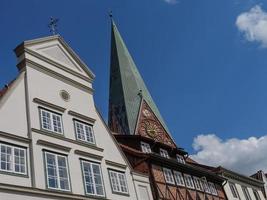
x,y
189,181
180,159
85,136
164,153
233,190
57,170
52,126
179,179
256,194
12,159
198,183
93,179
118,182
212,188
168,176
246,192
145,147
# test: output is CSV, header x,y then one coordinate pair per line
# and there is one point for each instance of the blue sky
x,y
205,67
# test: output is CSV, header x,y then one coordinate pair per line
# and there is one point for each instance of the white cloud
x,y
246,156
253,24
171,1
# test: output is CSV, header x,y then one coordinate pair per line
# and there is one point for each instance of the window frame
x,y
234,190
118,182
57,170
198,183
212,188
145,146
176,175
180,159
164,153
166,175
94,185
246,192
256,194
12,162
51,113
84,124
188,178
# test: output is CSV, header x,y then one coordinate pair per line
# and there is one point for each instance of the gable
x,y
55,51
149,126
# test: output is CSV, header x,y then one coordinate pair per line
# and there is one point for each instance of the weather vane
x,y
53,25
110,14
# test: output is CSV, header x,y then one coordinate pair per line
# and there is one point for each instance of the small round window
x,y
65,95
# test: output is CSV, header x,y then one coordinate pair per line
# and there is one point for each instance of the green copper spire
x,y
127,89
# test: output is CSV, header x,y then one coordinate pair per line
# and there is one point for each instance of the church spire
x,y
127,89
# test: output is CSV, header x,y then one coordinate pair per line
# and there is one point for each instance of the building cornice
x,y
48,104
59,76
114,164
53,145
87,154
60,137
46,193
14,137
80,116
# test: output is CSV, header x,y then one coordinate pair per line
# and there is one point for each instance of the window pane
x,y
57,123
46,120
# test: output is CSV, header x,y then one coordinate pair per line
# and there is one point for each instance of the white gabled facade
x,y
240,187
48,121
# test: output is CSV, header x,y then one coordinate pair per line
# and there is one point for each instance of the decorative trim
x,y
39,67
21,190
53,145
61,137
114,164
41,57
45,103
75,114
14,137
86,154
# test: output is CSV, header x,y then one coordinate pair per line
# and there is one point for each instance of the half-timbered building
x,y
145,139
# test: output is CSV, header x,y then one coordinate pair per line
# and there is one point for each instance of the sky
x,y
204,63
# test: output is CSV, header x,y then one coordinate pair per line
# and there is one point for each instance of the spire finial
x,y
110,14
53,25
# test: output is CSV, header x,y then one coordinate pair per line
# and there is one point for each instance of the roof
x,y
127,88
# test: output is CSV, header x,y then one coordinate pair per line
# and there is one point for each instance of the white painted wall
x,y
46,86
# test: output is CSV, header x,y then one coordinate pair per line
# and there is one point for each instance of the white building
x,y
240,187
53,142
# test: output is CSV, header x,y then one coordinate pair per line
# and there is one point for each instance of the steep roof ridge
x,y
133,85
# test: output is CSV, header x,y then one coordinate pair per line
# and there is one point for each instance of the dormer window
x,y
145,147
180,159
164,153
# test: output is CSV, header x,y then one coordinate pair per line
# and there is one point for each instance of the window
x,y
164,153
246,193
13,159
256,194
118,182
179,178
180,159
168,176
57,174
212,188
205,185
51,121
198,183
188,181
233,190
84,132
145,147
92,177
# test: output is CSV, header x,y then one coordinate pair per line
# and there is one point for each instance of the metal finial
x,y
53,25
110,14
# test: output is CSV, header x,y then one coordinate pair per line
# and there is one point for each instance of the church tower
x,y
132,110
145,139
